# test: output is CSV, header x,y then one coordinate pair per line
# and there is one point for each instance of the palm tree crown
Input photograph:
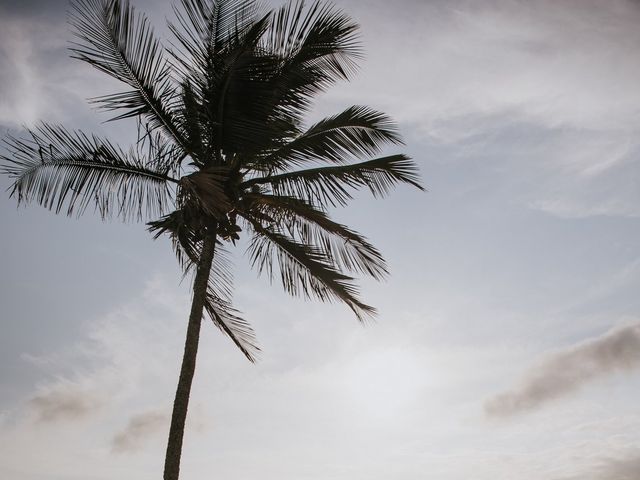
x,y
223,149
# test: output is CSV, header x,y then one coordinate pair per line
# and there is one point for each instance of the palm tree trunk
x,y
181,402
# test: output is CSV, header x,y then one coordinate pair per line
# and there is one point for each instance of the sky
x,y
507,343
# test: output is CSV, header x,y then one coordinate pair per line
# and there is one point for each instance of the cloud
x,y
564,372
620,466
138,430
105,368
38,80
80,414
35,7
559,63
568,64
619,469
66,402
27,67
467,73
589,174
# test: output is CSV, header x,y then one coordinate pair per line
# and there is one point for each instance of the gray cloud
x,y
618,467
66,403
139,428
35,8
558,63
566,371
32,61
564,69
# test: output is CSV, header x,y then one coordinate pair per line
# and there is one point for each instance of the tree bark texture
x,y
181,402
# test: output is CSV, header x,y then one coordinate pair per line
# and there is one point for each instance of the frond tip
x,y
115,39
333,185
358,131
229,321
304,269
311,225
187,234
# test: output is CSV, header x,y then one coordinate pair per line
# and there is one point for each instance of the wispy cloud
x,y
104,368
64,403
26,69
616,466
627,468
138,430
563,69
126,358
558,63
38,80
564,372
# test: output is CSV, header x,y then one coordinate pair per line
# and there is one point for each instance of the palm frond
x,y
333,184
255,95
304,269
317,47
321,35
193,124
356,132
303,51
229,321
187,234
69,171
228,96
226,81
117,40
231,94
203,28
345,248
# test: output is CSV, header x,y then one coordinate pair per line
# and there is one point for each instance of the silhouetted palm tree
x,y
223,151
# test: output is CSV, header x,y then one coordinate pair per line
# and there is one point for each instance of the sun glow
x,y
385,384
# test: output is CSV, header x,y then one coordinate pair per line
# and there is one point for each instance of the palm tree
x,y
222,150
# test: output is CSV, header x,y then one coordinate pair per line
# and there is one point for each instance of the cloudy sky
x,y
508,340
